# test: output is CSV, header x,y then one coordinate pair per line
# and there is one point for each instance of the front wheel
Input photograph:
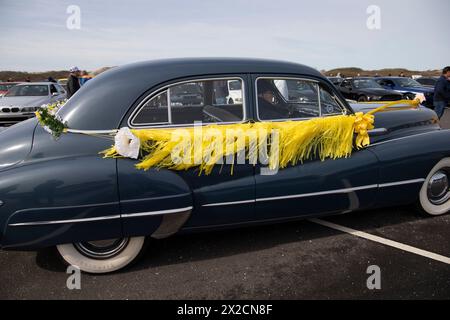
x,y
434,196
102,256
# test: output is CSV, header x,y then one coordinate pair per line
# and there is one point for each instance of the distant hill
x,y
352,72
348,72
41,76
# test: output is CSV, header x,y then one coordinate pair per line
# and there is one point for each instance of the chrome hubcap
x,y
438,190
102,249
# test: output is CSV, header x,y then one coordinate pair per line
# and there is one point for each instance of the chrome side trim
x,y
38,223
117,216
156,198
313,194
398,183
227,203
155,213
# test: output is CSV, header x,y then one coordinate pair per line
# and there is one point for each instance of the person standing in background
x,y
442,92
73,83
85,77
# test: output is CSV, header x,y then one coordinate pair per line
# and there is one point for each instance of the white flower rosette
x,y
420,97
126,143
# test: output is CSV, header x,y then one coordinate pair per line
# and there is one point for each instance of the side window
x,y
329,103
345,84
280,99
207,101
155,111
389,83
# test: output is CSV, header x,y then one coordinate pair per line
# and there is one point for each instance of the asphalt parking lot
x,y
297,260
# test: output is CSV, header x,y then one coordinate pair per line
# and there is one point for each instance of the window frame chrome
x,y
167,88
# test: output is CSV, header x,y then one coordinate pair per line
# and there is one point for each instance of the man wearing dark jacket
x,y
442,92
73,83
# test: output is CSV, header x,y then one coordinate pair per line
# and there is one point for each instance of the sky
x,y
324,34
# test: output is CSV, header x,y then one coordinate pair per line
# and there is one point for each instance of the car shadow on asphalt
x,y
228,242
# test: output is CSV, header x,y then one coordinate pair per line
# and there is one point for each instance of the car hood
x,y
399,120
16,142
378,91
419,89
23,101
368,106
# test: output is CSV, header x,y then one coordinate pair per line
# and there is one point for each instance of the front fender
x,y
406,161
63,192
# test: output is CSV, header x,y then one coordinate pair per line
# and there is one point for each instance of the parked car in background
x,y
408,87
61,192
186,94
427,81
234,92
336,80
366,89
5,86
24,99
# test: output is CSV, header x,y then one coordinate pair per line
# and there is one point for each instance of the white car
x,y
234,92
24,99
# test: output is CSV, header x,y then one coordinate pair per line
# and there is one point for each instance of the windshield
x,y
28,90
365,83
406,82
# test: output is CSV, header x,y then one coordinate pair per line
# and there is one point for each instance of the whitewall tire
x,y
102,256
434,196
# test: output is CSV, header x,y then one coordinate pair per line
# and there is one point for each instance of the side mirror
x,y
55,94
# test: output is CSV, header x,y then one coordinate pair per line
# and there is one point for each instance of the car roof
x,y
393,77
360,78
109,95
34,83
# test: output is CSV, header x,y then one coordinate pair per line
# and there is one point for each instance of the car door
x,y
222,197
315,187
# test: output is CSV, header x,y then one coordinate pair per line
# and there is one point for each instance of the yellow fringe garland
x,y
327,137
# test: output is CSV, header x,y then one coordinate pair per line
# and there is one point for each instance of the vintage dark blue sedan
x,y
61,192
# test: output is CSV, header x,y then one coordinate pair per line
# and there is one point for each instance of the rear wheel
x,y
102,256
434,196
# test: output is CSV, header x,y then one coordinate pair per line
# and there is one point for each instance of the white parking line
x,y
384,241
